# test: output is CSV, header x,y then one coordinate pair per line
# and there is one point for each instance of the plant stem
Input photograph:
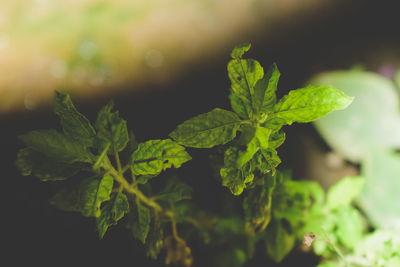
x,y
118,161
335,248
174,229
132,189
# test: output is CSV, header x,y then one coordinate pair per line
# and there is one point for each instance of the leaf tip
x,y
239,50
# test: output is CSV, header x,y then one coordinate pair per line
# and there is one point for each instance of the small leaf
x,y
308,104
344,192
57,146
279,241
239,50
216,127
141,222
93,192
111,129
264,91
154,156
74,124
112,212
46,169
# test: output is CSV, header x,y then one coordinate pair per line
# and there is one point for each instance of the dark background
x,y
360,32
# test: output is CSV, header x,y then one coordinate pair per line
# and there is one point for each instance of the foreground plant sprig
x,y
258,116
111,173
109,192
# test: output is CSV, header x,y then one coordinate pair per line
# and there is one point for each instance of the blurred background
x,y
163,62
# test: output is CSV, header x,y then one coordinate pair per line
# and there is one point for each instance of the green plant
x,y
115,172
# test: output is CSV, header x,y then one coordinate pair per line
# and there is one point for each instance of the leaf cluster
x,y
111,172
258,116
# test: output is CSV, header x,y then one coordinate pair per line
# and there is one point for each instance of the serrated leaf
x,y
216,127
57,146
344,192
74,124
111,129
279,241
308,104
46,169
239,50
154,156
244,74
112,212
264,91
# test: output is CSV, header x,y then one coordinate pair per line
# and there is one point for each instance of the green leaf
x,y
154,156
264,91
308,104
111,129
112,212
57,146
93,192
259,141
141,221
216,127
238,106
271,160
85,197
349,226
244,74
279,241
344,192
46,169
74,124
276,139
233,177
174,191
239,50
